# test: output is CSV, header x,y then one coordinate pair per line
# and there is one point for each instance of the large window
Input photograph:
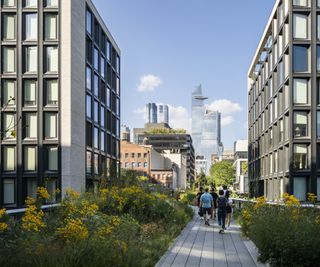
x,y
102,67
89,22
50,26
30,158
9,154
9,59
31,125
51,3
300,157
30,91
96,59
32,187
318,27
96,137
51,125
303,3
88,106
300,188
8,125
300,26
9,27
31,26
8,3
31,59
96,85
52,92
96,111
52,59
8,191
89,162
31,3
318,58
52,158
300,91
8,93
88,78
102,117
300,126
300,58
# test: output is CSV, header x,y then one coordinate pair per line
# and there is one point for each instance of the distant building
x,y
139,133
151,113
228,155
163,114
241,184
200,165
125,133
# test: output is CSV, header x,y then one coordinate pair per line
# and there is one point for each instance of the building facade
x,y
151,113
125,133
241,184
59,66
284,106
163,113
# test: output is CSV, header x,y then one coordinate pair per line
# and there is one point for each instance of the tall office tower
x,y
151,113
163,114
198,110
125,133
284,110
60,79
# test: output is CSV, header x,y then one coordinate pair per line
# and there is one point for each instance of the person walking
x,y
206,203
214,207
222,211
229,212
226,191
199,194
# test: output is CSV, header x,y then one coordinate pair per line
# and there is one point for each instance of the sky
x,y
168,47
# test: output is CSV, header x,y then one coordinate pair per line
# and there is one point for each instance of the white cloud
x,y
148,83
225,106
226,120
179,117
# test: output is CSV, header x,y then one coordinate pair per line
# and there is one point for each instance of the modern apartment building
x,y
241,184
284,103
60,98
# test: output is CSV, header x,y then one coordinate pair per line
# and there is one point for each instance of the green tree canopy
x,y
244,167
222,173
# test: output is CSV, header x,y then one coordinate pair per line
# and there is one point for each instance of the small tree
x,y
244,168
222,173
202,180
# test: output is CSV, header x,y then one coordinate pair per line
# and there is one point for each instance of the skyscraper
x,y
163,114
151,113
60,71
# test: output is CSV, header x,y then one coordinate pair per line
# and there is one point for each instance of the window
x,y
303,3
8,192
8,93
139,164
89,162
102,141
145,164
89,134
31,26
102,67
51,186
32,187
132,155
9,59
300,58
31,125
318,124
133,164
8,125
9,154
31,3
30,158
102,116
52,3
96,111
52,59
52,158
300,126
139,155
52,92
31,59
96,85
30,88
89,22
145,155
300,188
108,98
118,65
281,131
9,27
88,107
300,26
88,78
8,3
318,58
318,27
108,50
50,125
96,163
318,188
126,165
50,27
300,91
300,157
96,59
96,137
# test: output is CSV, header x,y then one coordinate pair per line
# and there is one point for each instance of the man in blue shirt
x,y
206,202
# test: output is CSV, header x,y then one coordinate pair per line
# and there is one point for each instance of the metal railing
x,y
16,212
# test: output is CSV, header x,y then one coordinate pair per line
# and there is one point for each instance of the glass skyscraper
x,y
151,113
163,114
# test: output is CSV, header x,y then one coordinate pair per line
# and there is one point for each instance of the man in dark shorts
x,y
206,203
199,194
222,211
214,208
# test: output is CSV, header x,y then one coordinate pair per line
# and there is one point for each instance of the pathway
x,y
200,245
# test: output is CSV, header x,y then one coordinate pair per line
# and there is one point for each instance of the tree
x,y
202,180
222,173
244,168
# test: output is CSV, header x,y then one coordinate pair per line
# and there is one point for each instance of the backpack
x,y
222,203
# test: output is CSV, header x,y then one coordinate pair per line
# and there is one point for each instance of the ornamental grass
x,y
129,223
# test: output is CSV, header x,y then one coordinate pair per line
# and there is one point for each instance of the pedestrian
x,y
206,203
226,191
199,194
222,210
214,207
229,212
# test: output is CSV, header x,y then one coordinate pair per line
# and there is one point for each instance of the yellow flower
x,y
32,219
3,226
318,220
246,215
3,212
72,194
261,201
290,200
312,197
73,231
88,209
43,193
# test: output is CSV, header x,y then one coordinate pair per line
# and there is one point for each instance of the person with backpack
x,y
206,203
229,212
199,194
222,210
214,207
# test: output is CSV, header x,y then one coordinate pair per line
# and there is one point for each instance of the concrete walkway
x,y
201,245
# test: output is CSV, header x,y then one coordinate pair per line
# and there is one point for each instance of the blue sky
x,y
176,45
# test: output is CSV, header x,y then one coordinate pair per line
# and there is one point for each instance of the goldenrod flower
x,y
290,200
3,226
73,231
312,197
42,193
261,201
33,218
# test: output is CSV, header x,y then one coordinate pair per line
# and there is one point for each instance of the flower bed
x,y
118,226
286,235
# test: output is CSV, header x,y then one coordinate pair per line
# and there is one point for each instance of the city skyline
x,y
168,70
